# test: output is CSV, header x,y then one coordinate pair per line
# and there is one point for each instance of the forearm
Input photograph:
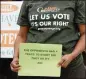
x,y
16,45
80,46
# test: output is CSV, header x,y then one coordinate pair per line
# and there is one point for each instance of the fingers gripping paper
x,y
39,59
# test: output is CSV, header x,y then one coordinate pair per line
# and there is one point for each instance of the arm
x,y
21,38
79,48
22,35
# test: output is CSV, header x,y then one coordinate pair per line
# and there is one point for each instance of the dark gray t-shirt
x,y
53,22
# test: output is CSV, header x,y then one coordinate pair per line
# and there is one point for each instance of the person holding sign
x,y
54,22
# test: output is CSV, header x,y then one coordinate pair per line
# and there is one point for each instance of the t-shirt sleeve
x,y
23,15
80,12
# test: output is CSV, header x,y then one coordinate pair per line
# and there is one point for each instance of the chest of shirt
x,y
51,13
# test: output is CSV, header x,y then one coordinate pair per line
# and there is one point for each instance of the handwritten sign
x,y
39,59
